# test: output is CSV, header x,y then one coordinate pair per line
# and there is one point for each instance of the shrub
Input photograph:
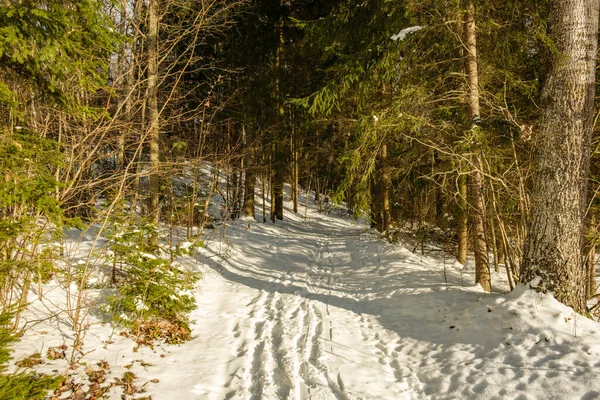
x,y
20,385
150,283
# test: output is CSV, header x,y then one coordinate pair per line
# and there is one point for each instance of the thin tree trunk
x,y
192,203
350,200
553,248
271,187
279,149
264,199
499,247
278,178
376,206
463,220
482,273
134,71
385,192
494,244
591,272
509,262
153,131
123,79
213,188
250,181
294,167
590,260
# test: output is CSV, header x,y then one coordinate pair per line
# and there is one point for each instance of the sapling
x,y
20,385
150,288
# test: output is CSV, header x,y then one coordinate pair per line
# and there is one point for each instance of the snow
x,y
186,245
322,308
404,32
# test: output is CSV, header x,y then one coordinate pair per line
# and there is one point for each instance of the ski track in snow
x,y
284,351
324,309
309,275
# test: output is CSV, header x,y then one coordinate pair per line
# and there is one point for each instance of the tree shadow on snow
x,y
414,297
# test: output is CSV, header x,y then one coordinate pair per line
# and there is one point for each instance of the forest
x,y
138,136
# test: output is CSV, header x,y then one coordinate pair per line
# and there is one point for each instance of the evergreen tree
x,y
554,243
21,385
47,62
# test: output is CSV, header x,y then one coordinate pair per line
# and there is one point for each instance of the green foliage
x,y
178,149
6,338
151,284
54,46
20,386
27,386
29,207
25,162
409,94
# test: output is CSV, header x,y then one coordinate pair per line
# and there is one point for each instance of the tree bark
x,y
376,206
482,265
385,192
294,166
154,129
278,178
590,259
250,180
123,77
463,220
279,164
553,248
482,272
271,184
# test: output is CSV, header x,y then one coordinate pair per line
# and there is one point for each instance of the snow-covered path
x,y
321,308
310,292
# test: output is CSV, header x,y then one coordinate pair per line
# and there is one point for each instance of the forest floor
x,y
319,307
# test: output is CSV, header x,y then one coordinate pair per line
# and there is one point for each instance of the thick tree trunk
x,y
482,272
553,248
153,130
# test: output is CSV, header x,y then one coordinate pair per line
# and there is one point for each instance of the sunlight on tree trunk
x,y
482,272
553,249
154,128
